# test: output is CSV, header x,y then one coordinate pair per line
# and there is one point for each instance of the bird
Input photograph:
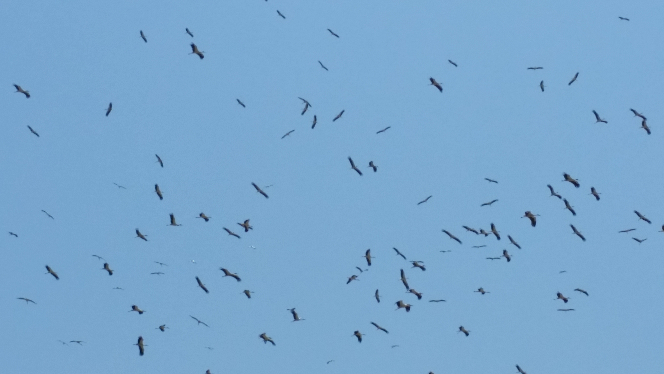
x,y
157,273
139,235
306,105
159,161
565,310
377,296
329,361
108,110
246,225
173,223
437,301
258,189
118,288
367,256
623,19
640,240
642,217
201,285
436,84
352,166
53,273
204,217
20,90
573,181
414,292
383,130
404,257
295,316
541,85
594,192
141,350
189,32
403,280
628,230
158,191
453,63
569,207
135,308
573,79
313,124
507,255
332,32
33,131
79,342
471,230
194,50
360,269
535,68
229,274
597,118
49,216
491,180
373,166
463,330
247,293
513,242
351,278
143,37
418,264
122,187
553,193
323,66
637,114
288,133
475,246
358,335
401,304
13,234
644,126
232,233
199,321
162,328
27,301
494,231
481,290
484,233
517,366
425,200
339,115
452,236
279,13
266,338
582,291
561,297
494,258
107,268
241,103
577,233
379,327
489,203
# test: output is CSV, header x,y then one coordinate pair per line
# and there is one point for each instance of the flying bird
x,y
484,233
623,18
535,68
313,124
414,292
491,180
482,291
295,316
204,217
229,274
201,285
247,293
107,268
438,301
306,105
27,301
377,296
232,233
139,235
419,264
569,207
332,32
351,278
13,234
463,330
507,255
33,131
143,37
122,187
594,192
352,166
453,63
288,133
628,230
494,258
565,310
367,256
640,240
79,342
637,114
644,126
553,193
517,366
561,297
246,225
339,115
373,166
436,84
258,189
53,273
401,304
323,66
489,203
577,233
281,15
582,291
266,338
134,308
159,161
573,79
471,230
173,223
452,236
573,181
189,32
194,50
541,85
597,118
358,335
20,90
199,321
494,231
108,110
140,346
241,103
404,257
49,216
403,280
383,130
379,327
158,191
425,200
475,246
162,328
513,242
157,273
642,217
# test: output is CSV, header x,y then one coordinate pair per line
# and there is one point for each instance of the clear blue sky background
x,y
491,121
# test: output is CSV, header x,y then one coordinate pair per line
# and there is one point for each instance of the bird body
x,y
561,297
135,308
33,131
401,304
494,231
159,161
569,207
573,181
482,291
452,236
463,330
139,235
332,32
194,50
582,291
21,90
453,63
598,118
231,233
379,327
553,193
594,192
107,268
259,190
199,321
436,84
351,278
377,296
266,338
513,242
108,110
246,225
201,285
173,223
367,256
531,217
418,264
296,317
189,32
383,130
489,203
339,115
403,280
247,293
352,166
204,217
577,233
53,273
157,190
404,257
507,255
414,292
642,217
373,166
143,37
573,79
425,200
358,335
141,349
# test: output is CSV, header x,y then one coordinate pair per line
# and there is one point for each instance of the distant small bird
x,y
437,301
475,246
306,105
520,370
565,310
108,110
49,216
379,327
229,274
594,192
332,32
644,126
491,180
573,79
494,258
452,236
628,230
597,118
246,225
79,342
33,131
367,256
27,301
377,296
162,328
541,85
330,361
373,166
637,114
507,255
481,290
159,161
573,181
247,293
339,115
288,133
471,230
199,321
577,233
323,66
561,297
582,291
296,317
201,285
553,193
12,234
122,187
189,32
231,233
383,130
107,268
352,166
204,217
513,242
157,273
258,189
414,292
134,308
173,223
143,37
266,338
453,63
401,304
141,349
489,203
569,207
642,217
463,330
404,281
313,124
358,335
404,257
139,235
425,200
418,264
640,240
281,15
53,273
436,84
20,90
535,68
241,103
484,233
351,278
494,231
623,18
194,50
158,191
360,269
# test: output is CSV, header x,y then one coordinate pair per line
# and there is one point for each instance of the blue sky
x,y
491,121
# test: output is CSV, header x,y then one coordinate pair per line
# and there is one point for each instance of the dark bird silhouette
x,y
157,273
573,79
367,256
642,217
247,293
139,235
404,257
482,291
313,123
507,255
438,301
162,328
414,292
189,32
418,264
597,118
20,90
108,110
173,223
27,301
494,258
107,268
53,273
640,240
377,296
295,316
232,233
122,187
577,233
565,310
241,103
561,297
323,66
143,37
204,217
436,84
379,327
229,274
33,131
360,269
134,308
491,180
553,193
49,216
594,192
12,234
628,230
383,130
494,231
404,280
246,225
569,207
79,342
159,161
573,181
471,230
201,285
258,189
352,166
541,85
475,246
425,200
358,335
351,278
401,304
582,291
266,338
489,203
452,236
484,233
513,242
536,68
637,114
281,15
199,321
623,19
194,50
373,166
141,349
332,32
339,115
158,191
306,105
517,366
644,126
463,330
453,63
